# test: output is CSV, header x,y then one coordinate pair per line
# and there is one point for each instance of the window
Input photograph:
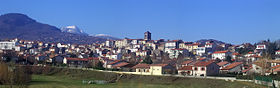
x,y
195,68
202,68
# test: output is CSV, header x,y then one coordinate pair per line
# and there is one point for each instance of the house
x,y
185,70
123,66
252,58
186,63
261,47
75,62
205,68
236,56
143,69
277,52
6,45
174,53
260,66
223,64
235,67
174,44
222,55
275,69
247,71
160,69
110,65
200,51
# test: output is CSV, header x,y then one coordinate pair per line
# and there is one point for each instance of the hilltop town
x,y
149,57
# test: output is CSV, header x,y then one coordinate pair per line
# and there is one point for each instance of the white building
x,y
261,46
5,45
174,53
221,55
200,51
172,45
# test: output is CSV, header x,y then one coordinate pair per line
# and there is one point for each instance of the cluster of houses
x,y
207,58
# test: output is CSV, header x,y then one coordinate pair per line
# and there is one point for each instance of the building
x,y
200,51
261,46
160,69
154,69
186,70
222,55
5,45
174,53
174,44
147,36
233,67
208,68
143,69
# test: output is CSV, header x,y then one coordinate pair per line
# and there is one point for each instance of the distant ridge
x,y
16,25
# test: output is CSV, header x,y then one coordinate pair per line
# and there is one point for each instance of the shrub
x,y
13,74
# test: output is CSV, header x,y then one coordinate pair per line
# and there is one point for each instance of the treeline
x,y
11,74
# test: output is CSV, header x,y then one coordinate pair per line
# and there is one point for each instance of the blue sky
x,y
232,21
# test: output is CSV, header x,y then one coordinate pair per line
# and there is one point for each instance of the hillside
x,y
16,25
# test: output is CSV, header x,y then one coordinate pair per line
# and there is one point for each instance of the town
x,y
149,57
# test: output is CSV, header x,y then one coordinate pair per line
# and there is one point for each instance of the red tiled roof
x,y
78,59
222,63
250,52
276,70
220,52
187,62
158,64
120,64
93,58
116,61
203,63
243,71
232,65
274,67
235,54
141,66
203,58
186,68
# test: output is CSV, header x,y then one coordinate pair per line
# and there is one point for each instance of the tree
x,y
180,58
133,58
99,65
148,60
228,59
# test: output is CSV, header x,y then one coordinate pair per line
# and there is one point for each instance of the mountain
x,y
16,25
73,29
105,36
203,41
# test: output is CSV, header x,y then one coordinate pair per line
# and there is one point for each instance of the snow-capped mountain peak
x,y
73,29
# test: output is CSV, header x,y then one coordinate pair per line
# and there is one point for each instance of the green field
x,y
74,79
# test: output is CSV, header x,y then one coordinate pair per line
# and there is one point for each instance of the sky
x,y
231,21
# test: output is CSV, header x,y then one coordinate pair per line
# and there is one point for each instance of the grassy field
x,y
73,79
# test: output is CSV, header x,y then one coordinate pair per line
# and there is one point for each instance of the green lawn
x,y
42,81
66,78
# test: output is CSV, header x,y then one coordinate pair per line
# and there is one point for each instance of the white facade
x,y
221,56
261,46
174,53
7,45
200,51
169,45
